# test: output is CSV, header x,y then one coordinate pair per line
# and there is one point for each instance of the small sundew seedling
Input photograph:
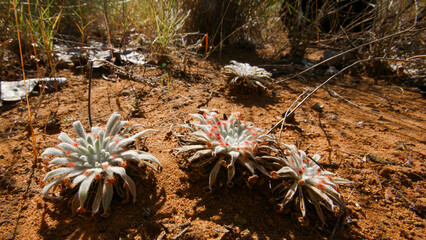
x,y
319,186
246,75
224,142
96,159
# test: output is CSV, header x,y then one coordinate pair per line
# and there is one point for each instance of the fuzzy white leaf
x,y
83,191
65,138
53,151
79,129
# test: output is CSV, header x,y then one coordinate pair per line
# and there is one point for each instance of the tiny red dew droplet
x,y
71,164
274,175
75,144
320,186
98,176
111,180
81,210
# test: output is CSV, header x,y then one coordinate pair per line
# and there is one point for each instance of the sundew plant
x,y
301,174
245,75
224,142
96,160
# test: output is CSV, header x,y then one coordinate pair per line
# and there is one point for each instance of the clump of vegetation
x,y
96,160
169,21
246,75
229,21
301,173
224,142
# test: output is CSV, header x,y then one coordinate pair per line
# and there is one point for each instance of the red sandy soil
x,y
379,144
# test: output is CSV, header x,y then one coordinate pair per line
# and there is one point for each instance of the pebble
x,y
245,234
333,117
317,107
359,124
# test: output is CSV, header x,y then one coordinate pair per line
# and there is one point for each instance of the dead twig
x,y
335,94
181,233
350,154
326,136
162,235
286,112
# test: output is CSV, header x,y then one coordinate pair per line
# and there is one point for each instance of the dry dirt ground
x,y
379,143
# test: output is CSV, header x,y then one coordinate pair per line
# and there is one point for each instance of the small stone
x,y
53,126
245,234
359,124
317,107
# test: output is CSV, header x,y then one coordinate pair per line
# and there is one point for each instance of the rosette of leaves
x,y
95,161
224,142
301,173
246,75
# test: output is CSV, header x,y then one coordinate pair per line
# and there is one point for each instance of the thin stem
x,y
25,87
29,118
286,112
90,87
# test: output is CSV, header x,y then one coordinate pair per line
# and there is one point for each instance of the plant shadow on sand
x,y
125,218
246,209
